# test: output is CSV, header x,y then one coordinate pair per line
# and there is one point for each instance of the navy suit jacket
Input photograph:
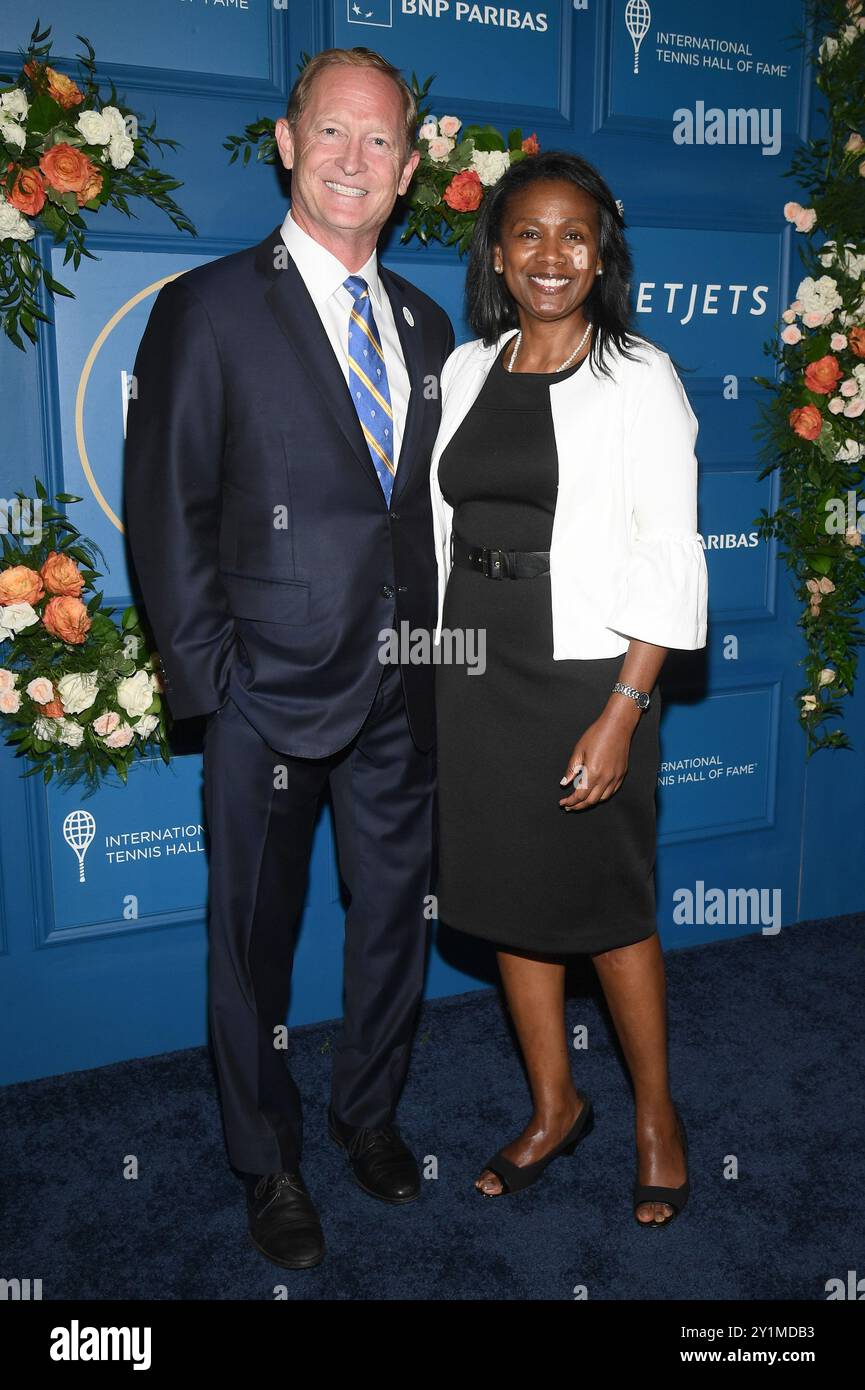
x,y
267,556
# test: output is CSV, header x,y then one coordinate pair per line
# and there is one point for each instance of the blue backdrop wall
x,y
111,965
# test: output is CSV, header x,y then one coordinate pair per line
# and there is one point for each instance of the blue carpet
x,y
767,1040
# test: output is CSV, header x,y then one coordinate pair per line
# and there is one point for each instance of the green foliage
x,y
818,475
47,123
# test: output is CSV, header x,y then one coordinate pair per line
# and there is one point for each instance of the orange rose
x,y
856,340
19,584
54,708
823,375
61,575
92,187
530,144
67,618
28,191
807,421
64,91
464,192
66,169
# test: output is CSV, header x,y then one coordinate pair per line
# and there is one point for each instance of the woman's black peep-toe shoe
x,y
514,1178
674,1197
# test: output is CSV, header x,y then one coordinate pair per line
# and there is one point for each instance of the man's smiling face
x,y
347,157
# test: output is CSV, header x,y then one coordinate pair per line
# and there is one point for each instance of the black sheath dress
x,y
514,866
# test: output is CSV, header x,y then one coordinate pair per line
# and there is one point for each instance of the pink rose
x,y
836,405
106,723
121,737
7,679
849,387
805,219
855,142
440,148
41,690
838,342
449,125
854,409
815,318
791,335
10,702
792,210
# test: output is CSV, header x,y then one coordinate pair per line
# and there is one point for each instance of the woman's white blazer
x,y
626,558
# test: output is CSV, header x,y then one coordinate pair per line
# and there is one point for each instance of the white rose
x,y
849,33
70,733
429,129
850,452
120,151
489,165
16,616
94,127
12,222
114,119
818,296
828,49
78,691
146,724
135,693
15,103
45,729
12,132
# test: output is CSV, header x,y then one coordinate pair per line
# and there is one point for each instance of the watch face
x,y
643,701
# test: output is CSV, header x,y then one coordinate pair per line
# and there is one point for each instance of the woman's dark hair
x,y
490,308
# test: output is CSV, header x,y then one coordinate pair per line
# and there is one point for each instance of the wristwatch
x,y
638,696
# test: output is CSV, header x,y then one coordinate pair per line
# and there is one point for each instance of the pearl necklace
x,y
568,360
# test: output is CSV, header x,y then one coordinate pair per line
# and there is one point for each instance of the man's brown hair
x,y
351,57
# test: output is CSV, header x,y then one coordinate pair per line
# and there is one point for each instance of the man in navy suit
x,y
278,511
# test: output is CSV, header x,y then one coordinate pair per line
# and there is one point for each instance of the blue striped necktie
x,y
367,381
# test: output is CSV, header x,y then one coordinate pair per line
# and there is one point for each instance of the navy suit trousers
x,y
261,809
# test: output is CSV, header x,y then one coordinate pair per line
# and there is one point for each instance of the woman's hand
x,y
602,752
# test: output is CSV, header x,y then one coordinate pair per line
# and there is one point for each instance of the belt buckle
x,y
493,568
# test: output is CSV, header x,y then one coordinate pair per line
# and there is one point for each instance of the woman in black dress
x,y
540,869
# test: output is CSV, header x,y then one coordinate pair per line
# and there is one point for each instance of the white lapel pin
x,y
407,314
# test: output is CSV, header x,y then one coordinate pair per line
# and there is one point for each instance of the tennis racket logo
x,y
638,17
79,829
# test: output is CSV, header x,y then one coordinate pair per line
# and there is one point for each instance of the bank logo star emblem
x,y
376,12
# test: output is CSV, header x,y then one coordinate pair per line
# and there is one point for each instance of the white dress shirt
x,y
323,274
626,558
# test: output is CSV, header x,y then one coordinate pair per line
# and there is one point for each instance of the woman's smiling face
x,y
548,251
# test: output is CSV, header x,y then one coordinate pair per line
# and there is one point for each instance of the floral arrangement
x,y
79,694
457,163
813,425
62,150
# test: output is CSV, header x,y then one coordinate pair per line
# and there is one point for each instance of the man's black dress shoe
x,y
283,1223
382,1164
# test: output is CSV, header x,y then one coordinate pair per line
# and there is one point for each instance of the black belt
x,y
496,563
